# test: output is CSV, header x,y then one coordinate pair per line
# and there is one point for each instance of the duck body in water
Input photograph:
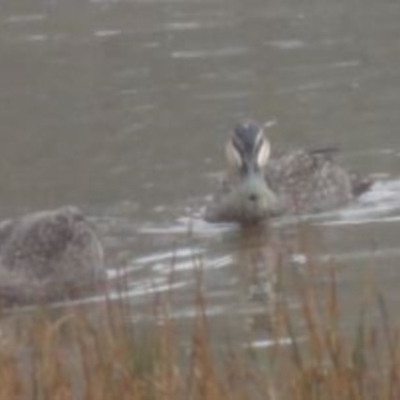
x,y
52,254
298,182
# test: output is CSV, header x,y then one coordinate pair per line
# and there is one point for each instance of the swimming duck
x,y
45,254
299,182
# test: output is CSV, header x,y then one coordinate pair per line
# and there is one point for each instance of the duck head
x,y
248,198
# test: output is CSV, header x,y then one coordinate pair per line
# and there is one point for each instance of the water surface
x,y
122,108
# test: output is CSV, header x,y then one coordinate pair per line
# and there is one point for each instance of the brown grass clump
x,y
95,353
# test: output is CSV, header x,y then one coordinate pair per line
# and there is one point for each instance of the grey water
x,y
123,107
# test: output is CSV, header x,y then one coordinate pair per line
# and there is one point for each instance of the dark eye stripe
x,y
233,153
259,141
238,145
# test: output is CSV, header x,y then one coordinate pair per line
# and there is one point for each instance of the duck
x,y
258,186
48,255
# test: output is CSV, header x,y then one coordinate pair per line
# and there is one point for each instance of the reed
x,y
94,352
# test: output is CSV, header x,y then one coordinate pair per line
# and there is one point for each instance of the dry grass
x,y
91,352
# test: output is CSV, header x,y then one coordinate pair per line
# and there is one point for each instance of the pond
x,y
123,108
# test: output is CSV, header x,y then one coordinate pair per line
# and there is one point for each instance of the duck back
x,y
311,181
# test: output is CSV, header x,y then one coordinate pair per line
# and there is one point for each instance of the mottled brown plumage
x,y
49,254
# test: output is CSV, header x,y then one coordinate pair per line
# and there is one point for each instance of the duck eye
x,y
263,153
233,156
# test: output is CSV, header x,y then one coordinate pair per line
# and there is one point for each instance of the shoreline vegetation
x,y
95,351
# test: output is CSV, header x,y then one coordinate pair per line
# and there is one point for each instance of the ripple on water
x,y
229,51
36,38
373,206
177,254
266,343
225,95
188,225
148,289
290,44
183,26
165,262
107,33
22,18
